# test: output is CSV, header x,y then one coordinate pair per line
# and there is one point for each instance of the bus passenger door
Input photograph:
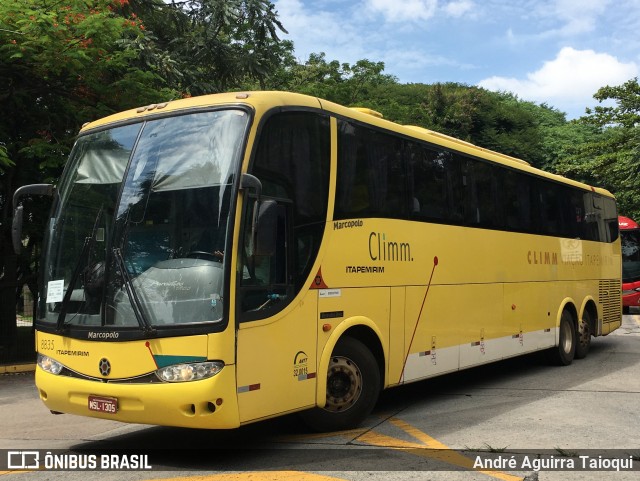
x,y
276,362
276,338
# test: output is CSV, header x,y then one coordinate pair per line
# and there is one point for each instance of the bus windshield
x,y
137,237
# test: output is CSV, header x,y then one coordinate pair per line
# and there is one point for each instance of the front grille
x,y
610,298
144,379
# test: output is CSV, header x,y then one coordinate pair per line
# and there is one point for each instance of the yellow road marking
x,y
424,438
434,449
18,368
426,447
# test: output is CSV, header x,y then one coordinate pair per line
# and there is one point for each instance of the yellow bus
x,y
215,261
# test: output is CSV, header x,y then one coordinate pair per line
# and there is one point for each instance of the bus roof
x,y
261,101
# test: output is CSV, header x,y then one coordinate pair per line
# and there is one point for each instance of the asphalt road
x,y
439,429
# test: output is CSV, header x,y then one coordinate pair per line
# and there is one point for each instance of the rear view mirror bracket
x,y
18,210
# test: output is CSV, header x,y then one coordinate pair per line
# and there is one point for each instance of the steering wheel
x,y
208,256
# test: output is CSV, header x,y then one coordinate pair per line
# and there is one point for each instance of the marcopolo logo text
x,y
103,335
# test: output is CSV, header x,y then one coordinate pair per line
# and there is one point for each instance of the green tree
x,y
208,46
64,62
342,83
61,64
496,121
611,155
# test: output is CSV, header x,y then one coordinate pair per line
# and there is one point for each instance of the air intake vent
x,y
610,298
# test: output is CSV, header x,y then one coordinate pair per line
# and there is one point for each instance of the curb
x,y
17,368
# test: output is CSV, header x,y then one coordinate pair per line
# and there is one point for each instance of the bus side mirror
x,y
266,228
18,211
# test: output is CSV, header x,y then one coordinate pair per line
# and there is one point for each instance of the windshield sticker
x,y
55,291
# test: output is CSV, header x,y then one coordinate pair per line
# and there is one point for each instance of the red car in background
x,y
630,237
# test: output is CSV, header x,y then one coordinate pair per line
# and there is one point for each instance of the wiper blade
x,y
84,255
131,293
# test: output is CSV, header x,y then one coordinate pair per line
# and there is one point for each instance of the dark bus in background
x,y
630,237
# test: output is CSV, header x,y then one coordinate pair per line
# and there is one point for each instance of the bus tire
x,y
584,336
565,351
353,386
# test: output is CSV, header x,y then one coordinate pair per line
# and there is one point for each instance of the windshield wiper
x,y
131,293
84,255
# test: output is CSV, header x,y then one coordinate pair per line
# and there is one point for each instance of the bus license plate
x,y
101,404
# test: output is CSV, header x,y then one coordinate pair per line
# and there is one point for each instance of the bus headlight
x,y
49,365
189,372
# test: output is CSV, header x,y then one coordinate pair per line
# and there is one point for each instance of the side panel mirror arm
x,y
248,181
18,211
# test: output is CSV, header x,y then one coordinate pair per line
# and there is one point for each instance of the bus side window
x,y
593,216
517,201
372,174
481,206
611,219
429,182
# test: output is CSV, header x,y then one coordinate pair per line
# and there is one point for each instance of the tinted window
x,y
481,191
371,174
516,198
292,162
382,175
435,182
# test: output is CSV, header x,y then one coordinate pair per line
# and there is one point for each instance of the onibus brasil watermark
x,y
68,461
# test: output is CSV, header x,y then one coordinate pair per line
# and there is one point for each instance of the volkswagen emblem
x,y
105,366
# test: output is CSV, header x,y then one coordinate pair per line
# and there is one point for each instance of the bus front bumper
x,y
209,403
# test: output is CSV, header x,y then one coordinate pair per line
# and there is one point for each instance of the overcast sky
x,y
557,52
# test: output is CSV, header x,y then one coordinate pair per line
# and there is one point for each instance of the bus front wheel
x,y
565,351
353,386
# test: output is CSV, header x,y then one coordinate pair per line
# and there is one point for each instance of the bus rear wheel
x,y
565,351
353,386
584,336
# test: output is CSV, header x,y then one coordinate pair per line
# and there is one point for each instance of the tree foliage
x,y
496,121
209,46
64,62
610,155
342,83
61,63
